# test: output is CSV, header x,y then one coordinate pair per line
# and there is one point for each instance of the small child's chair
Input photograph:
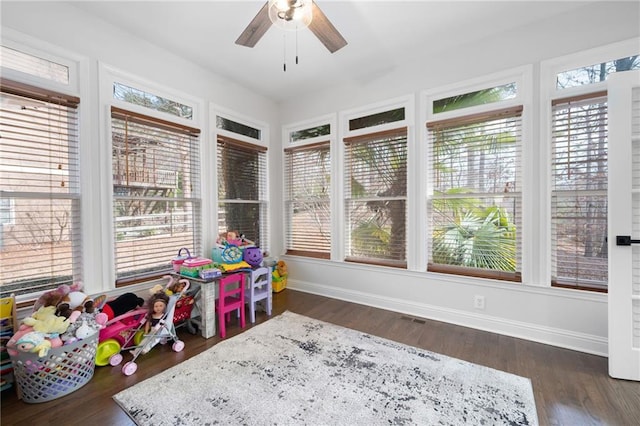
x,y
230,298
259,289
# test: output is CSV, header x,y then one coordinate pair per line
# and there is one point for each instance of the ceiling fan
x,y
292,14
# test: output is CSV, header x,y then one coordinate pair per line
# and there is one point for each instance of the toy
x,y
171,288
34,342
13,341
84,331
175,287
45,321
253,256
282,269
279,276
66,299
93,321
232,238
124,303
157,309
158,287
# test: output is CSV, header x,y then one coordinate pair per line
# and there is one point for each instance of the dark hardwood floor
x,y
571,388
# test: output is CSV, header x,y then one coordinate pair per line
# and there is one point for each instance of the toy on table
x,y
253,256
232,238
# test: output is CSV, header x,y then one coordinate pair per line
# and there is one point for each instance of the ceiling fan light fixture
x,y
291,15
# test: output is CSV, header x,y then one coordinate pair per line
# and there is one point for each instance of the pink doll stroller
x,y
118,333
160,330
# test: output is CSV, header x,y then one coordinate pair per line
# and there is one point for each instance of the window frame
x,y
107,76
342,227
74,89
548,94
289,144
259,144
523,79
141,125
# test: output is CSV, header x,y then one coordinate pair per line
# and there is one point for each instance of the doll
x,y
157,309
176,287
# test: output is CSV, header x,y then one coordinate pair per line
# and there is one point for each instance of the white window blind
x,y
579,192
156,193
40,244
475,208
242,190
376,198
307,199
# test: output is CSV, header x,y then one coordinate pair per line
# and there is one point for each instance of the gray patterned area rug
x,y
293,370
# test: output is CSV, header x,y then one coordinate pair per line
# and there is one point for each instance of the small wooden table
x,y
207,297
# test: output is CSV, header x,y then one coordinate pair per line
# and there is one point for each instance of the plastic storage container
x,y
64,370
192,266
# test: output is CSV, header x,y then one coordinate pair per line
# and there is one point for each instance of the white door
x,y
624,225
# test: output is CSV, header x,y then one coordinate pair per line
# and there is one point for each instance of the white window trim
x,y
287,129
78,86
414,172
30,45
523,77
103,218
210,203
551,67
336,171
548,92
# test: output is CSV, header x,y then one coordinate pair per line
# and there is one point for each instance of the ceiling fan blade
x,y
256,28
325,31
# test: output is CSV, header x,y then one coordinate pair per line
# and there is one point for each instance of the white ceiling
x,y
380,35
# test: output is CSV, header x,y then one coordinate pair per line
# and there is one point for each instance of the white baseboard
x,y
595,345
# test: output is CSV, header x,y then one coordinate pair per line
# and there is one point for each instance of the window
x,y
578,114
478,97
7,211
312,132
242,189
238,128
308,200
595,73
156,193
149,100
40,245
377,119
33,65
579,191
376,197
474,209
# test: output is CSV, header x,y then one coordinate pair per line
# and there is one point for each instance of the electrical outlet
x,y
478,302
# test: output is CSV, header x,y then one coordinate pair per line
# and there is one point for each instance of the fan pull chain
x,y
284,53
296,45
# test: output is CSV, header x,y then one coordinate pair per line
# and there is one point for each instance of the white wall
x,y
535,311
560,317
61,28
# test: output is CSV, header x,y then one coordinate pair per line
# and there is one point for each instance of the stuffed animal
x,y
13,341
122,304
66,299
94,321
84,331
34,342
282,269
45,321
